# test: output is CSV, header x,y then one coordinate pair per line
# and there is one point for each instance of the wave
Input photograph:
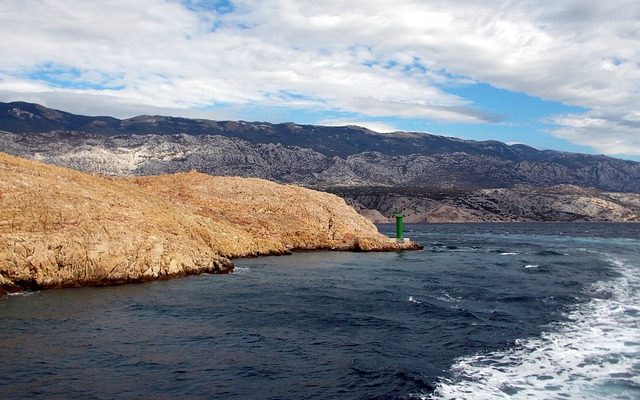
x,y
593,355
551,253
22,294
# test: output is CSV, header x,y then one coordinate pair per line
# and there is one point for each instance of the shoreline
x,y
65,228
223,266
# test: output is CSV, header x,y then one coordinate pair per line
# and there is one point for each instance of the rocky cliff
x,y
60,227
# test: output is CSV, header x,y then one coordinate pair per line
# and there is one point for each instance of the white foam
x,y
531,266
446,297
22,293
591,356
508,254
412,300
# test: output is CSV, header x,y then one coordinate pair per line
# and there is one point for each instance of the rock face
x,y
60,227
520,203
219,155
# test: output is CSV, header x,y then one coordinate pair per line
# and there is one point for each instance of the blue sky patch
x,y
519,107
219,6
67,77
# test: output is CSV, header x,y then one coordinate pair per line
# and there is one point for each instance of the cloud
x,y
621,132
86,103
375,126
176,55
372,59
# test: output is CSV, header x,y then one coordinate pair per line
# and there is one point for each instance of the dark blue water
x,y
482,305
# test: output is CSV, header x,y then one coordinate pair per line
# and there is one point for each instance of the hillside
x,y
318,156
563,203
483,181
60,227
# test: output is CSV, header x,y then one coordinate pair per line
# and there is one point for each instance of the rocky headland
x,y
65,228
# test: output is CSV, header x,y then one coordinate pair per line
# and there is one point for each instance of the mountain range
x,y
399,169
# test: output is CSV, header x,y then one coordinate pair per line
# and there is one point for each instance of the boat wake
x,y
594,355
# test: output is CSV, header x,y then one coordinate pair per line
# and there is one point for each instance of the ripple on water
x,y
348,325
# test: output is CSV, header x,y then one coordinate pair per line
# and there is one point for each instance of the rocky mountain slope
x,y
317,155
60,227
220,155
320,157
520,203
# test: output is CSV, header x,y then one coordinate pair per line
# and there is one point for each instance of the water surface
x,y
485,311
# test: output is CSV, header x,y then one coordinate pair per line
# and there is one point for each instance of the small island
x,y
64,228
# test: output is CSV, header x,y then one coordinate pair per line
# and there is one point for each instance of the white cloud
x,y
375,126
383,58
611,134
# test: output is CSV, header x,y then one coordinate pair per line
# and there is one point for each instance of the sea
x,y
485,311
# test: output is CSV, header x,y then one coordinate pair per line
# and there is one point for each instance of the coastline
x,y
64,228
221,266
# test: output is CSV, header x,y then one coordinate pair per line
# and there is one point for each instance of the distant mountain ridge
x,y
22,117
400,158
393,169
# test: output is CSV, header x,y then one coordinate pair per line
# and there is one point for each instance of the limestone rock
x,y
60,227
519,203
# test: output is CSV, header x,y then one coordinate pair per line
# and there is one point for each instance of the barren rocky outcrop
x,y
60,227
516,204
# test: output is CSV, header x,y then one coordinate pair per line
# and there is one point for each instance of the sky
x,y
561,75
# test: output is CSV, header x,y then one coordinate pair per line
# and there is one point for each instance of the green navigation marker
x,y
399,224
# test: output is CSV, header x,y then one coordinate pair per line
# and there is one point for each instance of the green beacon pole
x,y
399,224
